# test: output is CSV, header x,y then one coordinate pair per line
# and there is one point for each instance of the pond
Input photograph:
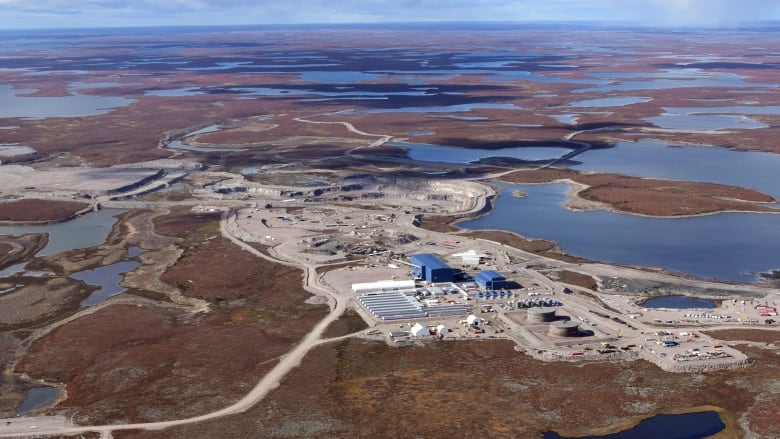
x,y
699,425
107,278
678,302
84,231
37,397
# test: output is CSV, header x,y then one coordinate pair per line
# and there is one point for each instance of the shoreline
x,y
573,198
72,216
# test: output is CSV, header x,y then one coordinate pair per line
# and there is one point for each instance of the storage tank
x,y
564,329
472,320
541,315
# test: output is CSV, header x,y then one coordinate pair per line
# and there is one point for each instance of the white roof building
x,y
383,285
419,330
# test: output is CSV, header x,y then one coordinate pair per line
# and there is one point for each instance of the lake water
x,y
451,154
36,397
678,302
617,101
698,425
705,122
73,105
649,158
84,231
107,278
729,246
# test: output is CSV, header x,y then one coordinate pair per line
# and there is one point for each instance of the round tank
x,y
564,329
542,314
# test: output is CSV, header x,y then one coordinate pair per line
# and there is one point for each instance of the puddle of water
x,y
133,252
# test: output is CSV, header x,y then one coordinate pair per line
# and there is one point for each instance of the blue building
x,y
490,280
431,268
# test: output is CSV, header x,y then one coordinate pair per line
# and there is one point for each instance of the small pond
x,y
678,302
37,397
699,425
107,277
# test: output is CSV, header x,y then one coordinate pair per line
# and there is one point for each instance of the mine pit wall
x,y
140,183
670,366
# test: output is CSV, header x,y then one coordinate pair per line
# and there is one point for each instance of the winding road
x,y
45,426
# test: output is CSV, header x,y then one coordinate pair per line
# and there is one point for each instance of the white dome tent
x,y
419,330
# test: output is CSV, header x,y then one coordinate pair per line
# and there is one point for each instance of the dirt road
x,y
44,426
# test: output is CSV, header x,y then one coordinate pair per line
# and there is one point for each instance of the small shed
x,y
419,330
441,330
472,320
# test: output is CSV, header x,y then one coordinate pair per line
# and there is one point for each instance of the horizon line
x,y
638,25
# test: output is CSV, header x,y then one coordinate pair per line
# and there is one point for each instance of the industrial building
x,y
383,285
471,258
431,268
490,280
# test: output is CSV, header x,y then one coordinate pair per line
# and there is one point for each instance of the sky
x,y
34,14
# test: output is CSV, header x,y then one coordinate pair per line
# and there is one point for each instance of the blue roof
x,y
429,261
489,276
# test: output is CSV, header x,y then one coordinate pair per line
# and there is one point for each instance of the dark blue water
x,y
451,154
683,426
108,278
678,302
729,246
36,397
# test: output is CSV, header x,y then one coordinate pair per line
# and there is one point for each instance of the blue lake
x,y
729,246
649,158
678,302
698,425
617,101
73,105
